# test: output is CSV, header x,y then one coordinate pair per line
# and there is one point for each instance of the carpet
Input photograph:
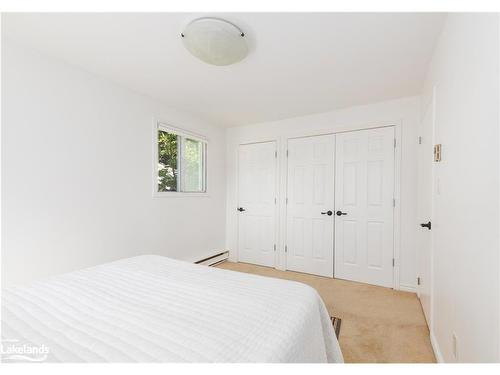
x,y
379,325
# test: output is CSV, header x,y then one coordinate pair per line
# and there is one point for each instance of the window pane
x,y
167,161
193,165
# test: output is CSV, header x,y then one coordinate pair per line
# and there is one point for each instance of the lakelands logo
x,y
16,351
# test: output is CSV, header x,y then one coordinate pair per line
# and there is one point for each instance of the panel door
x,y
310,193
257,206
424,212
364,220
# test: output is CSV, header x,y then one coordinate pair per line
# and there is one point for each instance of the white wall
x,y
77,174
405,112
464,71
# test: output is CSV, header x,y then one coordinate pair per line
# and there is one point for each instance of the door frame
x,y
281,168
276,193
397,195
429,106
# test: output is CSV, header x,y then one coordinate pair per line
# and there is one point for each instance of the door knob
x,y
241,209
426,225
340,213
329,213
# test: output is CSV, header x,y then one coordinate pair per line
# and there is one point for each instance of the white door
x,y
257,203
364,220
424,199
310,193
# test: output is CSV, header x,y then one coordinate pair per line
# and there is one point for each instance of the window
x,y
180,161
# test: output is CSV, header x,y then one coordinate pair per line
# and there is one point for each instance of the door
x,y
310,194
257,203
424,211
364,217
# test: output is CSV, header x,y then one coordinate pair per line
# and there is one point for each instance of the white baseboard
x,y
435,348
408,288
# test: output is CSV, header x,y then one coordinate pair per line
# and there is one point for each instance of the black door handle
x,y
426,225
329,213
241,209
339,213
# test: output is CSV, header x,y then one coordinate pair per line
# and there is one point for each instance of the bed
x,y
156,309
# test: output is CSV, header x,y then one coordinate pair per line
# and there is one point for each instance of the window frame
x,y
182,134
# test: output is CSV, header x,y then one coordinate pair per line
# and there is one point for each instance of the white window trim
x,y
161,125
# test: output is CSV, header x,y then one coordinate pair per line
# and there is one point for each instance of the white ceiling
x,y
299,63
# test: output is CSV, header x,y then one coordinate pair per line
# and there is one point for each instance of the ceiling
x,y
299,63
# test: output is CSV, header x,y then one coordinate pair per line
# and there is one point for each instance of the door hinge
x,y
418,280
286,249
286,200
393,202
286,153
419,140
275,200
394,142
275,154
274,247
393,262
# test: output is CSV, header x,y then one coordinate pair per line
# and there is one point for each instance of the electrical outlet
x,y
437,153
454,346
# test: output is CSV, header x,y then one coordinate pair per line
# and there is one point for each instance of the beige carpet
x,y
378,324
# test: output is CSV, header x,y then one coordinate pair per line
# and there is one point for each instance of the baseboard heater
x,y
214,259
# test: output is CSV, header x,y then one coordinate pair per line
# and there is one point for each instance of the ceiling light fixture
x,y
215,41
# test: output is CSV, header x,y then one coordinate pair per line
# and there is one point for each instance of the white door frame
x,y
276,192
430,106
397,210
281,145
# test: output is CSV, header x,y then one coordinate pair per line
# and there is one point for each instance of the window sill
x,y
179,195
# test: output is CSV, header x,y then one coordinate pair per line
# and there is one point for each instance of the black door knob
x,y
241,209
426,225
329,213
339,213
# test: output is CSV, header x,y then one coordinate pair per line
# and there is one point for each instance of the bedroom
x,y
332,153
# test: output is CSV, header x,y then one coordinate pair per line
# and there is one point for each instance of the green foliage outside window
x,y
170,163
167,161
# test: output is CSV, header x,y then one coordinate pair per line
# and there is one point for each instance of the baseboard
x,y
435,348
407,288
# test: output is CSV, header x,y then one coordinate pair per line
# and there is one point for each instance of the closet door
x,y
257,203
310,194
364,212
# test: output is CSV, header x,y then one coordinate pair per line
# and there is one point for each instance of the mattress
x,y
156,309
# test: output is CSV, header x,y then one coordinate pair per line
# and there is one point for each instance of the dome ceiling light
x,y
215,41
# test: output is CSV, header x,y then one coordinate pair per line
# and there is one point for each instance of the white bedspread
x,y
155,309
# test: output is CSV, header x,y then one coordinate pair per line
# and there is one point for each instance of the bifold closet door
x,y
257,203
364,193
310,195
